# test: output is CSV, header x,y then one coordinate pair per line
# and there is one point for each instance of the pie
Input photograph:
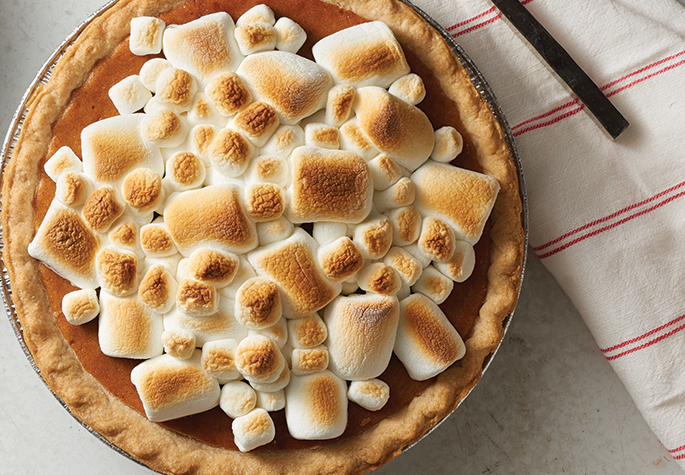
x,y
309,254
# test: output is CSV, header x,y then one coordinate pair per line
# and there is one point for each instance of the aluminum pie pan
x,y
44,75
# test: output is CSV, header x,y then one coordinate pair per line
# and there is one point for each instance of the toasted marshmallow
x,y
228,93
290,36
80,306
196,299
113,147
200,138
292,265
255,37
462,198
66,245
363,55
101,209
317,406
437,240
270,169
309,360
354,139
361,334
434,285
129,95
258,121
406,225
384,172
124,233
212,266
72,188
211,216
271,401
158,289
117,271
329,185
407,266
339,104
142,190
185,171
258,14
307,332
278,385
421,256
340,259
188,389
156,240
62,161
259,359
426,343
245,271
409,88
151,70
379,278
399,195
218,360
295,86
372,395
164,128
373,237
278,332
179,343
448,144
461,265
203,111
286,139
146,35
321,135
258,303
203,47
274,231
324,232
264,201
128,329
175,89
253,430
218,326
237,399
230,152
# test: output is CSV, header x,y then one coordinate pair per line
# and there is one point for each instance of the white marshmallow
x,y
409,88
146,35
255,37
117,271
190,389
461,265
407,266
80,306
203,111
448,144
399,195
218,326
340,259
164,128
372,395
218,360
129,95
434,285
156,240
258,303
253,430
384,171
237,399
354,139
271,401
196,298
185,171
290,36
258,14
280,383
151,70
274,231
62,161
259,359
307,332
278,332
324,232
406,225
316,406
339,104
321,135
286,139
73,188
309,360
374,237
414,250
379,278
179,343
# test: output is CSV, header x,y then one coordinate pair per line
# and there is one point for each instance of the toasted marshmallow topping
x,y
257,14
196,298
228,93
340,259
281,382
245,272
258,303
217,326
158,289
237,399
448,144
218,360
231,152
129,95
271,401
426,342
339,104
175,89
317,406
142,190
269,168
203,111
399,195
253,430
354,139
274,231
384,171
264,201
151,70
278,332
214,267
185,171
80,306
289,35
117,271
164,128
179,343
407,266
257,122
321,135
62,161
124,233
462,263
255,37
72,188
434,285
437,240
156,240
372,395
101,209
409,88
324,232
307,332
259,359
379,278
146,35
309,360
374,237
286,139
200,138
406,225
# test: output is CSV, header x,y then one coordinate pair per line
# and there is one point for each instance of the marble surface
x,y
548,403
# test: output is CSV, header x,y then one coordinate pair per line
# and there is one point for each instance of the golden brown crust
x,y
150,442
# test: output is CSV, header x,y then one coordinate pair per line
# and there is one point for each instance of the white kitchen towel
x,y
607,218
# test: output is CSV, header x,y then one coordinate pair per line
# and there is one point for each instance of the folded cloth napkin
x,y
606,217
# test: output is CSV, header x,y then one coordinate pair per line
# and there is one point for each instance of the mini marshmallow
x,y
274,231
372,395
258,121
340,259
286,139
259,359
373,237
409,88
230,152
102,209
128,329
434,285
448,144
339,104
124,233
269,169
264,201
253,430
151,70
164,128
73,188
321,135
307,332
461,265
117,271
324,232
80,306
354,139
278,332
245,271
218,360
361,334
179,343
237,399
406,225
156,240
426,342
437,239
258,14
185,171
278,385
146,35
317,406
62,161
399,195
258,303
143,192
175,89
309,360
271,401
212,266
255,37
189,390
404,292
228,93
203,111
290,36
129,95
379,278
218,326
200,138
414,250
196,299
384,171
407,266
158,289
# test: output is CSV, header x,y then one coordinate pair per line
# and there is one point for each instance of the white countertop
x,y
549,402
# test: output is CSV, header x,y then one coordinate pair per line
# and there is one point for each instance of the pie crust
x,y
164,449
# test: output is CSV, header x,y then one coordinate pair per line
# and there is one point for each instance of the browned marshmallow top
x,y
101,209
